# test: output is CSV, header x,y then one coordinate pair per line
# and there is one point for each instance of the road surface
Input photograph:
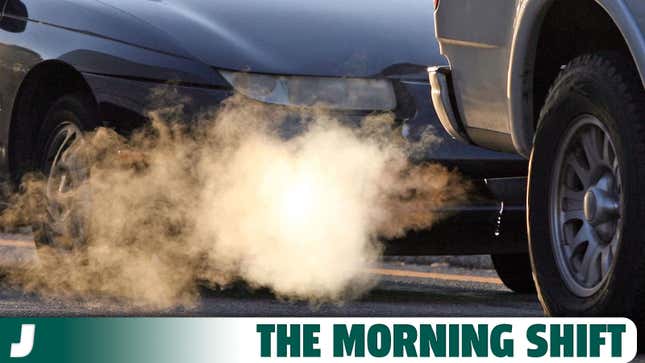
x,y
403,290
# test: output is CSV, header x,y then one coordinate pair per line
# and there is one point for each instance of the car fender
x,y
34,43
528,21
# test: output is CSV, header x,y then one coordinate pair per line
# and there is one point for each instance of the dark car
x,y
97,61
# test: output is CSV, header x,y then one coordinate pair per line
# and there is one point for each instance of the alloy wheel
x,y
66,187
586,206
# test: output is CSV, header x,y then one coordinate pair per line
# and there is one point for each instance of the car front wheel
x,y
64,222
585,205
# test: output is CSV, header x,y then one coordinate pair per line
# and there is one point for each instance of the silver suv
x,y
560,82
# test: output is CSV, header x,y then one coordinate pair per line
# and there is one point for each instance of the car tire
x,y
585,200
515,272
62,127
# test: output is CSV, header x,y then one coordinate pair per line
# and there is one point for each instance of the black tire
x,y
73,110
515,272
608,87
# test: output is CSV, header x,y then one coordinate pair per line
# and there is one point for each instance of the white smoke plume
x,y
227,198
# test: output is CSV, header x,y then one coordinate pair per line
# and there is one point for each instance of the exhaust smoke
x,y
228,198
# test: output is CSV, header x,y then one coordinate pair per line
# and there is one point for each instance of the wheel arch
x,y
532,22
43,84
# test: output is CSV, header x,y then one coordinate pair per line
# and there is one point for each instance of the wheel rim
x,y
586,206
65,186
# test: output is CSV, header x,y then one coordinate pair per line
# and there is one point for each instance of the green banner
x,y
247,340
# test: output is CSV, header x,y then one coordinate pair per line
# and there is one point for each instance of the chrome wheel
x,y
65,186
586,206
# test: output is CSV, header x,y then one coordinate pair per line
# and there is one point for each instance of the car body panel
x,y
492,75
37,43
88,52
98,19
475,35
123,59
307,38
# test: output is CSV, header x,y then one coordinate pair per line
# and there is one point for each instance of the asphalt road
x,y
403,290
394,296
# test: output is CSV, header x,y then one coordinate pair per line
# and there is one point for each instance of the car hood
x,y
327,38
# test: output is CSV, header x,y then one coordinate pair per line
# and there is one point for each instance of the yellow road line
x,y
16,243
377,271
436,276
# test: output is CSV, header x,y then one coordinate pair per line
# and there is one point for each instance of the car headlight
x,y
336,93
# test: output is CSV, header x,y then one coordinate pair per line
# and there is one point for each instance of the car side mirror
x,y
15,17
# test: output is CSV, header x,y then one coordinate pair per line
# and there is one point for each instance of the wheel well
x,y
564,36
44,84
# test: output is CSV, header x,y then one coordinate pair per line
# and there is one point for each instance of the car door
x,y
475,37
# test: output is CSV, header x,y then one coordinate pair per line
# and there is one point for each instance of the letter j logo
x,y
26,344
